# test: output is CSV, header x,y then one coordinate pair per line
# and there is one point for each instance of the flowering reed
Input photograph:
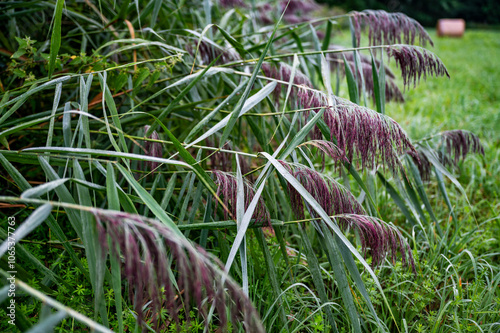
x,y
329,149
368,135
380,237
453,147
283,72
459,143
376,235
332,196
152,252
388,28
227,186
153,148
416,62
392,91
209,51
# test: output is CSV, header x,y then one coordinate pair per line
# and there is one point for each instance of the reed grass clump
x,y
227,165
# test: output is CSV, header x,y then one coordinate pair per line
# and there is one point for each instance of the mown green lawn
x,y
469,100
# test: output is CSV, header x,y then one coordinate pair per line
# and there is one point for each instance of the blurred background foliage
x,y
427,12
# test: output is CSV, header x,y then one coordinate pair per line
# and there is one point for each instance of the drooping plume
x,y
392,91
153,148
328,148
208,51
459,143
150,249
332,196
388,28
416,62
227,188
380,237
453,146
284,73
369,136
376,235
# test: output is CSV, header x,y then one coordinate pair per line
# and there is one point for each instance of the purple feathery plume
x,y
337,58
312,99
392,91
150,248
380,237
368,135
332,196
330,149
389,28
459,143
227,186
454,146
284,73
416,62
209,51
337,201
153,148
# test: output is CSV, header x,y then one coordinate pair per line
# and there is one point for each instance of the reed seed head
x,y
227,187
152,148
331,195
416,62
150,250
459,143
377,236
388,28
208,51
369,136
380,238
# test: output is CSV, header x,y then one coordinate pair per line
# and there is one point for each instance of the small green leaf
x,y
376,88
55,41
328,35
351,83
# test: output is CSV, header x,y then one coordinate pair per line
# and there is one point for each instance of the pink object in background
x,y
451,27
